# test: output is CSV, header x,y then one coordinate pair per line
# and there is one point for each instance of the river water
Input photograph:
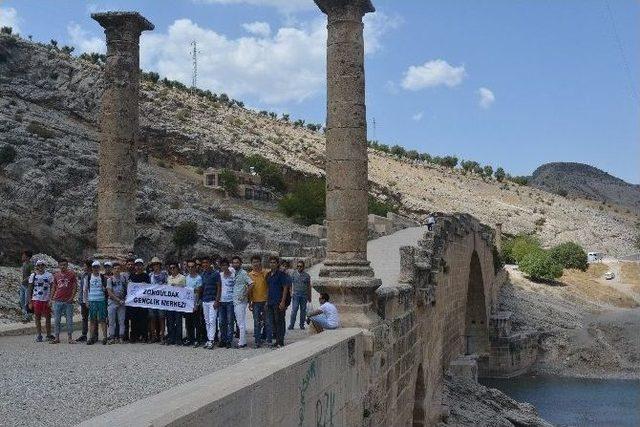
x,y
576,401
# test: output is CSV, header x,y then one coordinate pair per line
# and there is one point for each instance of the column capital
x,y
334,8
123,21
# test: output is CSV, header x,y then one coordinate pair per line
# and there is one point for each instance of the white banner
x,y
161,297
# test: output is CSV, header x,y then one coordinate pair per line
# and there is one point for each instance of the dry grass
x,y
586,285
597,269
630,273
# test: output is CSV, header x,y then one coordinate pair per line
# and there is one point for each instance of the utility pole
x,y
194,57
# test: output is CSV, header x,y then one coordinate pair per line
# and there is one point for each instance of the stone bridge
x,y
437,313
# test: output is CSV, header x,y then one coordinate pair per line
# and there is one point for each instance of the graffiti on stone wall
x,y
325,409
308,376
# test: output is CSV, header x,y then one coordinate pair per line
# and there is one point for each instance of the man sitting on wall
x,y
326,317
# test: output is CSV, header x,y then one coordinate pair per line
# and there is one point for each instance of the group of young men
x,y
223,292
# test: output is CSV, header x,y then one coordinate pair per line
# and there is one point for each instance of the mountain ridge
x,y
582,180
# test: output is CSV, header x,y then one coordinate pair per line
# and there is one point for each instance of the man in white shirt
x,y
326,317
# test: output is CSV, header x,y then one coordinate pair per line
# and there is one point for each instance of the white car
x,y
609,275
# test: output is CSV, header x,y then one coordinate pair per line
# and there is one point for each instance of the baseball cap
x,y
40,262
108,264
95,264
138,261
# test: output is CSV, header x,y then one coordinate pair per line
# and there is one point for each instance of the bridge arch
x,y
476,333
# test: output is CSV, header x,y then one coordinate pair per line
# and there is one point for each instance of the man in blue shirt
x,y
210,298
279,284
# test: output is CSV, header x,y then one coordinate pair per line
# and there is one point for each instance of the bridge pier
x,y
346,274
119,124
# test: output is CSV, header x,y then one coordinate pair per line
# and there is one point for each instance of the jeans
x,y
194,323
240,311
84,311
174,327
259,324
138,318
298,301
116,311
226,322
60,308
210,315
276,316
24,302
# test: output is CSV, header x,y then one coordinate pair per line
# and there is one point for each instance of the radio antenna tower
x,y
374,129
194,57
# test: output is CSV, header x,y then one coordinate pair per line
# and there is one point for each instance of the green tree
x,y
449,161
380,208
270,173
185,235
399,151
6,30
520,180
540,265
306,202
514,249
488,171
500,174
570,255
229,181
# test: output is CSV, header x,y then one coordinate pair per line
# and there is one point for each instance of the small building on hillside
x,y
249,184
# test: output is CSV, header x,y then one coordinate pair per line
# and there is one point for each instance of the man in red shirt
x,y
63,291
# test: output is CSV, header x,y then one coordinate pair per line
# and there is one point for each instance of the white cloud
x,y
376,25
285,6
275,67
487,98
261,29
433,73
286,66
418,116
9,18
83,41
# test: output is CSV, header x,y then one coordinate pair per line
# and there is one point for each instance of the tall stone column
x,y
119,122
346,274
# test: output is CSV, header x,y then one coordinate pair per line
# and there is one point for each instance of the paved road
x,y
384,254
59,385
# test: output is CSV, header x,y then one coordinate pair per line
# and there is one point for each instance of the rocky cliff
x,y
49,105
588,182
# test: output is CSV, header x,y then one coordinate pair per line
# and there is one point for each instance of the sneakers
x,y
54,341
91,342
209,345
290,328
39,338
50,337
196,344
81,338
104,341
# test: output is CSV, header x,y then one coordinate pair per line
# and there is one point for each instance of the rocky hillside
x,y
587,182
49,105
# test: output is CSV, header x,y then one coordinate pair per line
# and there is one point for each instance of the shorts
x,y
41,308
98,310
155,313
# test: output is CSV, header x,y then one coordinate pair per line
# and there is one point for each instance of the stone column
x,y
346,274
499,236
117,187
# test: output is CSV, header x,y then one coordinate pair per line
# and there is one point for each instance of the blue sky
x,y
512,83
